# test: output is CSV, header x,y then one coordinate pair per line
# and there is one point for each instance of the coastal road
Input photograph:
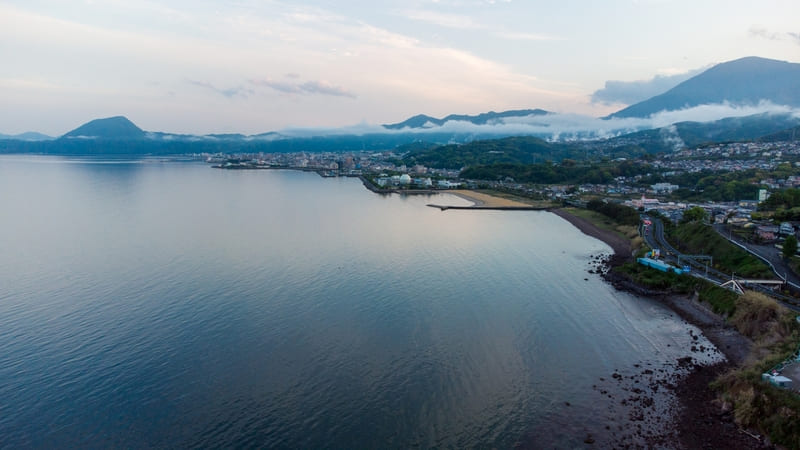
x,y
767,253
654,237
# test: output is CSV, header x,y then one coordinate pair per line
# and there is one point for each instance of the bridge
x,y
654,237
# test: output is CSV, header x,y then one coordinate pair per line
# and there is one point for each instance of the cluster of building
x,y
791,181
386,171
737,214
732,157
406,181
338,163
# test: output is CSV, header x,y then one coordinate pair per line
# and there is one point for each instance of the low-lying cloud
x,y
236,91
319,87
761,32
563,126
630,92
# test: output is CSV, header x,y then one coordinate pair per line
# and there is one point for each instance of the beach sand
x,y
486,200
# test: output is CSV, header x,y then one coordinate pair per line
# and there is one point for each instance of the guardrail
x,y
791,302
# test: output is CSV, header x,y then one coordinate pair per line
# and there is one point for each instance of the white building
x,y
664,187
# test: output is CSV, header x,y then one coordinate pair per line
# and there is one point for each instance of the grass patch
x,y
656,279
543,203
722,301
601,221
794,264
699,239
757,404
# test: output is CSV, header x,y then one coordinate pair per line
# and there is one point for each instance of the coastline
x,y
699,422
620,245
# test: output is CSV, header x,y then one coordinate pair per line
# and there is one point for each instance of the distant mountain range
x,y
745,81
29,136
423,121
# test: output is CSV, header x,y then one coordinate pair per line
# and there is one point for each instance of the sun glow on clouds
x,y
239,54
196,66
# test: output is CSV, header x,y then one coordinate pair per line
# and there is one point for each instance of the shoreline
x,y
700,422
620,245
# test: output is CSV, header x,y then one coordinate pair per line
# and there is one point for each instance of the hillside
x,y
515,150
700,239
789,134
115,128
28,136
743,81
691,134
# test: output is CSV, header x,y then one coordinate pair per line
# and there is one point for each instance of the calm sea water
x,y
164,304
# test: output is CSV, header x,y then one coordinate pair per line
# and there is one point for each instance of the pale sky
x,y
249,66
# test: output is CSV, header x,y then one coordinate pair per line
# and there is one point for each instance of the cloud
x,y
515,36
462,22
630,92
443,20
761,32
566,126
320,87
236,91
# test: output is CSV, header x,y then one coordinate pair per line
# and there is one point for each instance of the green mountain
x,y
692,134
116,128
516,150
789,134
743,81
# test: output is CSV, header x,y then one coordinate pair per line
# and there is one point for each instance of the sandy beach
x,y
486,200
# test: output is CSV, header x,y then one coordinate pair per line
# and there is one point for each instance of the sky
x,y
250,67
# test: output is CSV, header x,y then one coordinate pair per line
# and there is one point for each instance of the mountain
x,y
789,134
745,81
423,121
116,128
28,136
510,150
692,134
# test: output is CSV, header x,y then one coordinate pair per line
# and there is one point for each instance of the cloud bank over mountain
x,y
561,126
630,92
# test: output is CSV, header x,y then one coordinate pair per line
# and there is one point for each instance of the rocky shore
x,y
698,420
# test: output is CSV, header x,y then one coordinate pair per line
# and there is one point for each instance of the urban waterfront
x,y
168,304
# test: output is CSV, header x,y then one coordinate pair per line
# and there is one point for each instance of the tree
x,y
694,214
789,246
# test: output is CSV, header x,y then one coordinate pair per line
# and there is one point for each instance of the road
x,y
654,237
768,253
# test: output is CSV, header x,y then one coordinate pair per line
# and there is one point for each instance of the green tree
x,y
694,214
789,246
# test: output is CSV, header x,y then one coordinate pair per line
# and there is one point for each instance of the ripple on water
x,y
183,306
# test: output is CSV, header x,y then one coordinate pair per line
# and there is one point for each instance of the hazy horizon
x,y
251,67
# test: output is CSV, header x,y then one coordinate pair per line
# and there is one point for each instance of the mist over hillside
x,y
743,99
745,81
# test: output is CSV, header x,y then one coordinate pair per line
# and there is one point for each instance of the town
x,y
386,172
